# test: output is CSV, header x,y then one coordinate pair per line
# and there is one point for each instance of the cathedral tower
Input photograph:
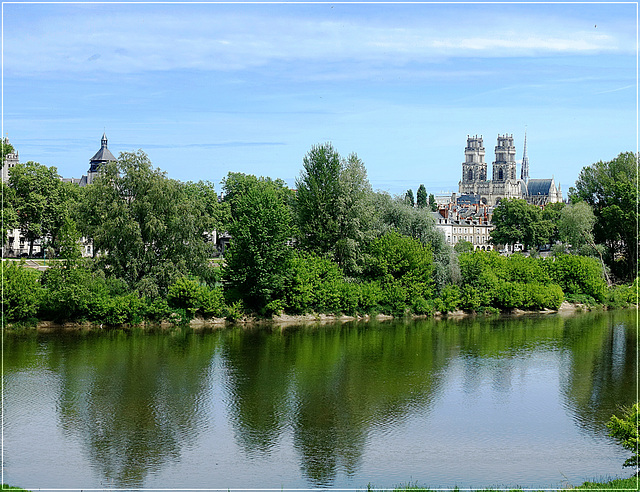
x,y
504,167
474,168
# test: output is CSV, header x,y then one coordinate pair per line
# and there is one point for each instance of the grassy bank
x,y
630,483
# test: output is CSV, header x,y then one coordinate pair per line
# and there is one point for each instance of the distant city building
x,y
504,183
10,161
465,222
100,158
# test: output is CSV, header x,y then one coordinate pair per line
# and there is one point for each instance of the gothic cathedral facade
x,y
504,182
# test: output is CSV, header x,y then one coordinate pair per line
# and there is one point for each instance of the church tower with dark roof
x,y
101,157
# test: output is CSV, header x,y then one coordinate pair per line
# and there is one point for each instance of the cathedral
x,y
503,182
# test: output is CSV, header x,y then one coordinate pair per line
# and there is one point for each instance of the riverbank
x,y
284,320
630,483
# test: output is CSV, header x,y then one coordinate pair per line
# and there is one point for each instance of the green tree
x,y
575,227
517,221
258,257
147,227
611,189
215,215
7,148
318,192
463,247
408,198
551,213
69,242
626,430
22,292
418,223
41,200
9,215
432,203
421,197
355,215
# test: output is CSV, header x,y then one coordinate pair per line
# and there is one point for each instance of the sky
x,y
210,88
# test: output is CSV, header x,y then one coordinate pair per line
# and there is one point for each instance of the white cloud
x,y
148,39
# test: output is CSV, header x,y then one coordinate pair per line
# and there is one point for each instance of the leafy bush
x,y
185,294
394,298
212,302
370,297
22,291
578,275
74,293
449,299
313,284
470,298
626,431
396,257
117,310
234,311
158,310
623,295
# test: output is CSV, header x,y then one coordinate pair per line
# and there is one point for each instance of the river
x,y
500,402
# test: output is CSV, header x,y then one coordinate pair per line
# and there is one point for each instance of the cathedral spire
x,y
524,170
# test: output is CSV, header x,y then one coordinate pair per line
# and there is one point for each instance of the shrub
x,y
117,310
235,311
74,293
350,298
449,299
370,297
396,257
578,275
185,294
306,288
22,291
470,298
394,299
626,431
158,310
212,302
510,295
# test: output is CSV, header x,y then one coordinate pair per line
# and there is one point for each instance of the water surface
x,y
468,403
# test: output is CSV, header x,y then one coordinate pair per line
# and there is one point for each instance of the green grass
x,y
630,483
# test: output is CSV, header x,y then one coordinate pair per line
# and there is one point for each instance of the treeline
x,y
331,246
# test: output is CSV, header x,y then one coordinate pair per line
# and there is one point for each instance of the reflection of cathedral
x,y
504,183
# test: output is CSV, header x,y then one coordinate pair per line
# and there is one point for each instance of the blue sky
x,y
205,89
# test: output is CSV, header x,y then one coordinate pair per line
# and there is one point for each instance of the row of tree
x,y
600,220
331,245
421,199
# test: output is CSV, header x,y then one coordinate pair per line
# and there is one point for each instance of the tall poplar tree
x,y
318,191
421,197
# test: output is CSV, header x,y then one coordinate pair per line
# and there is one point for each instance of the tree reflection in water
x,y
133,399
136,400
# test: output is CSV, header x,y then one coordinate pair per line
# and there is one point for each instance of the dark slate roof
x,y
103,155
470,199
539,186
